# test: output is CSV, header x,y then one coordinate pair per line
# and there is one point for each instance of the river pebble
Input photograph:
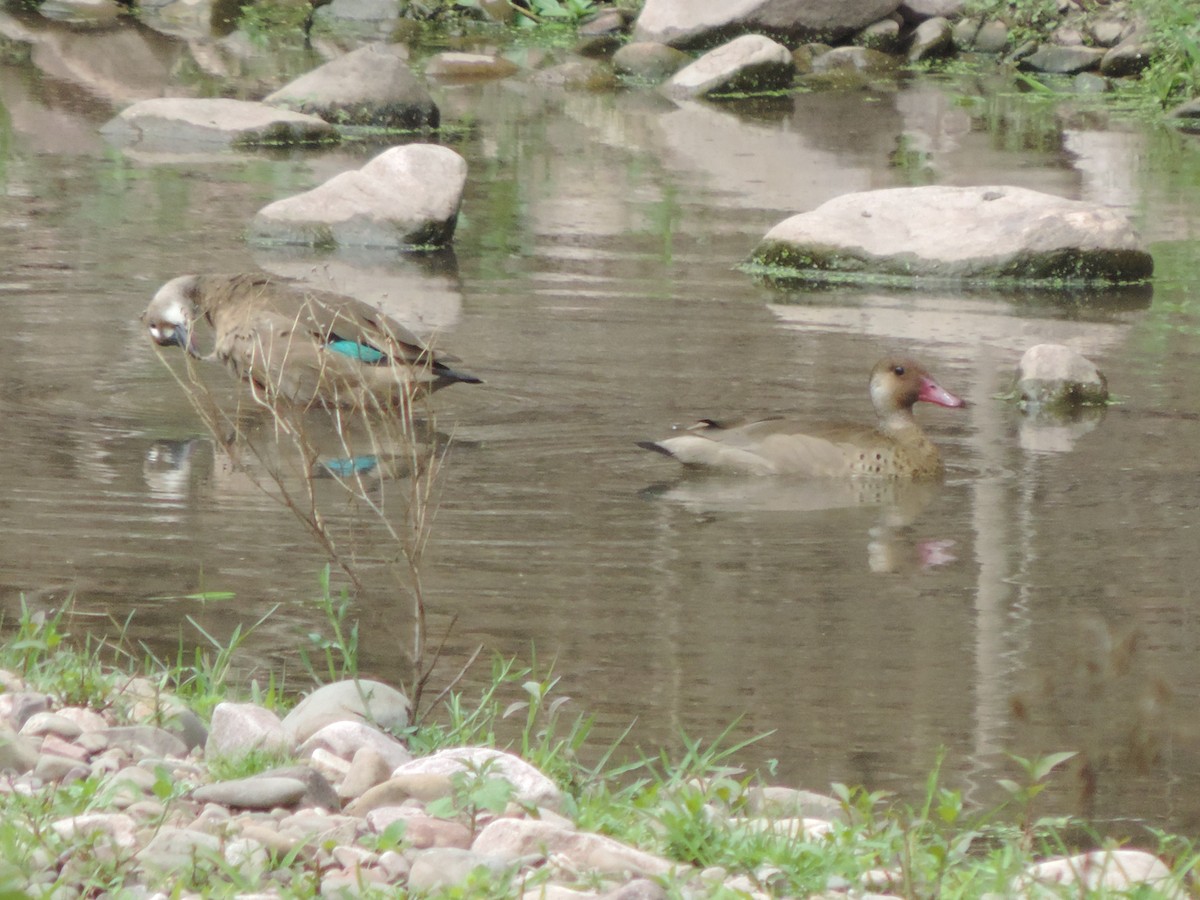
x,y
361,822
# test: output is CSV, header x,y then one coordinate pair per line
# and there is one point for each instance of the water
x,y
1041,599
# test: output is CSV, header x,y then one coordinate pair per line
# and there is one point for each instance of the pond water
x,y
1043,598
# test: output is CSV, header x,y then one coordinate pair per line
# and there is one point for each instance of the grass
x,y
696,807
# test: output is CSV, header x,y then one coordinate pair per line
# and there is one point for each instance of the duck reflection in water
x,y
893,465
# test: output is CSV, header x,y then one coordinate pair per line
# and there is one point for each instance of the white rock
x,y
405,197
531,787
751,62
346,738
241,728
186,123
1120,870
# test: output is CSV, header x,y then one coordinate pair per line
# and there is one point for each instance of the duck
x,y
304,345
895,448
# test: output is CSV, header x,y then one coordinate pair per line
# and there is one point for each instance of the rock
x,y
242,728
84,719
318,791
117,829
698,23
530,787
367,770
785,802
1117,870
1055,375
422,786
933,37
357,19
1127,59
455,66
46,723
421,831
748,64
577,75
1062,60
963,34
1089,83
81,12
637,889
958,234
346,739
174,850
187,19
18,707
1186,116
515,839
991,38
350,701
448,867
60,769
256,792
649,61
405,197
369,86
883,36
145,740
915,11
854,59
177,123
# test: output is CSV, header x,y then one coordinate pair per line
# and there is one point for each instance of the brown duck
x,y
895,448
306,346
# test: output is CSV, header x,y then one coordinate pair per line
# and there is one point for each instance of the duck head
x,y
898,382
171,314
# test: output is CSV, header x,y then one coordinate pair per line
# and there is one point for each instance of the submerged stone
x,y
179,123
1056,375
748,64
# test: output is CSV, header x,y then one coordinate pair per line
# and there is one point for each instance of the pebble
x,y
330,817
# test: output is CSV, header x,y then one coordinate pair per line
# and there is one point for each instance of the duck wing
x,y
772,446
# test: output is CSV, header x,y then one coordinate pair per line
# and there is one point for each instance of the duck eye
x,y
899,370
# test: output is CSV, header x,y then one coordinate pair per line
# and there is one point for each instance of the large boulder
x,y
187,124
999,234
405,197
372,85
748,64
699,23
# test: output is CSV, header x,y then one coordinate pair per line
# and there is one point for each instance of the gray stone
x,y
530,787
933,37
449,867
649,61
357,18
318,792
186,726
516,839
958,234
1107,32
883,36
637,889
1056,375
239,729
44,723
964,32
347,738
422,786
1187,115
1101,870
60,769
421,831
257,792
919,10
117,829
369,86
750,63
1090,83
81,12
145,740
1062,60
367,770
577,75
172,850
992,37
18,707
698,23
457,66
784,802
1127,59
178,123
405,197
854,59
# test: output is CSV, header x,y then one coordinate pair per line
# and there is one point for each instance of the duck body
x,y
304,345
895,448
